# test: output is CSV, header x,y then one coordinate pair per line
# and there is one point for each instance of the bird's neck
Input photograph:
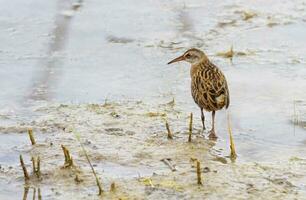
x,y
198,66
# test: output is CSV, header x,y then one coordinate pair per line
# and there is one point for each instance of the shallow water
x,y
117,52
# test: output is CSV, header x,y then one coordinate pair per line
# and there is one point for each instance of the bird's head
x,y
193,56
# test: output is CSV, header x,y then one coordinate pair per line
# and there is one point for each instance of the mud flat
x,y
127,145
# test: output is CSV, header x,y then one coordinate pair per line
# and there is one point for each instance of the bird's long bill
x,y
177,59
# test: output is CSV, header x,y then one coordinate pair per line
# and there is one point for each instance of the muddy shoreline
x,y
126,143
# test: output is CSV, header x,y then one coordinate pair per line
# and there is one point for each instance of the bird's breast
x,y
193,70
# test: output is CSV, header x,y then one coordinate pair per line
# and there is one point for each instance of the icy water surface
x,y
99,67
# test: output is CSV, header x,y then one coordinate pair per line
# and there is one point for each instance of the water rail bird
x,y
208,85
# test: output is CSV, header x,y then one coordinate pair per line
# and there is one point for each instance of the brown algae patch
x,y
144,164
231,53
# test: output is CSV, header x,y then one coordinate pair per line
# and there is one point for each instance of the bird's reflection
x,y
35,190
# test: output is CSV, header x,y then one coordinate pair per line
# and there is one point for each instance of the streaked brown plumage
x,y
208,85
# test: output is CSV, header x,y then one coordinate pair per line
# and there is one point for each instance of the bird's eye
x,y
187,55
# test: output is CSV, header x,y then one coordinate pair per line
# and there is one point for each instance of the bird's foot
x,y
203,129
212,135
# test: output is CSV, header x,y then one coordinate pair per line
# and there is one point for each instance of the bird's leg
x,y
203,120
212,134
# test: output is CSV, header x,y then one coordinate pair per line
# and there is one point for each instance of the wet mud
x,y
127,145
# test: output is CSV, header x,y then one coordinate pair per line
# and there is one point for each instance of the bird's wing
x,y
218,89
209,88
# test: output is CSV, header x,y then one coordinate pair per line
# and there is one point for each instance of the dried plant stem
x,y
93,170
190,127
113,187
30,132
89,162
25,172
167,162
169,131
38,173
199,178
68,157
232,145
36,166
34,193
39,194
33,165
25,193
77,179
